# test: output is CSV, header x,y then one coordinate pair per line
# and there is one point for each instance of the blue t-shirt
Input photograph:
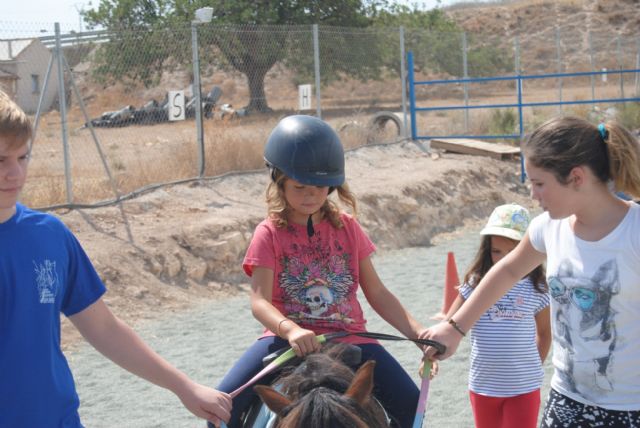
x,y
43,271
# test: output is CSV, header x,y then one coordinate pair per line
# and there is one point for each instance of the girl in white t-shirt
x,y
511,340
590,239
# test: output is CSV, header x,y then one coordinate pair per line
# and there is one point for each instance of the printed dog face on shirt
x,y
585,327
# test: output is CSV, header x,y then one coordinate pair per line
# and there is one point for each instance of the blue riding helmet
x,y
307,150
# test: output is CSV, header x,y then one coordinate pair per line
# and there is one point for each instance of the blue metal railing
x,y
519,105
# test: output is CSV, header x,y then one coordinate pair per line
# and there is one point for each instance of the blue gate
x,y
519,105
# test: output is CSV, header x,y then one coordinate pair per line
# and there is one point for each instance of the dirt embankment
x,y
171,247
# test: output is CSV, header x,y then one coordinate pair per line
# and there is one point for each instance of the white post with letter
x,y
304,97
176,105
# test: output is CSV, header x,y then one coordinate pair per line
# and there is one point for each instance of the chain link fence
x,y
103,101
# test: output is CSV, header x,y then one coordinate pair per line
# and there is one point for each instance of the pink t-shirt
x,y
315,280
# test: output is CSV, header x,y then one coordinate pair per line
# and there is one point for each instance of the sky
x,y
17,17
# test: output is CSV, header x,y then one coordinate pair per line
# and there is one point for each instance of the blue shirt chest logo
x,y
46,281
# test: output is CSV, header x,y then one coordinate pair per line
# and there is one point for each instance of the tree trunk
x,y
257,97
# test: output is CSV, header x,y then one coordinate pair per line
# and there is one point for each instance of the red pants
x,y
506,412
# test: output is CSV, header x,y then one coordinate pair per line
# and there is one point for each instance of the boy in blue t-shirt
x,y
44,271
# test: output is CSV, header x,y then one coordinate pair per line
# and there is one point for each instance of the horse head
x,y
323,392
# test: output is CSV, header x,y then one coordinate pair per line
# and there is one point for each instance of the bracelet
x,y
456,327
279,324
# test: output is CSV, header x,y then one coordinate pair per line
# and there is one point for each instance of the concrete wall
x,y
33,61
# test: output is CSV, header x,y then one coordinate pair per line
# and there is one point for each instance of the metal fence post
x,y
403,78
620,64
45,88
638,67
516,42
63,116
516,47
465,72
593,67
316,64
412,97
197,95
559,59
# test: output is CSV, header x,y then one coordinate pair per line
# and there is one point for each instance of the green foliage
x,y
442,52
436,42
353,52
430,35
503,122
629,115
353,13
129,14
489,60
401,15
143,56
140,41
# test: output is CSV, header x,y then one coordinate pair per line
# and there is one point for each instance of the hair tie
x,y
603,132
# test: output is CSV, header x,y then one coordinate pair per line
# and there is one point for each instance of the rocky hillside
x,y
608,29
527,18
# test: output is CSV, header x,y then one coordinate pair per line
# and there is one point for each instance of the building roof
x,y
7,75
10,49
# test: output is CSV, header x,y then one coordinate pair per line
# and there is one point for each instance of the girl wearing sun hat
x,y
512,339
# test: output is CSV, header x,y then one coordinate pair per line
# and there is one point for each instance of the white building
x,y
23,67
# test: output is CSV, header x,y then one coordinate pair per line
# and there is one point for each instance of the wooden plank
x,y
475,147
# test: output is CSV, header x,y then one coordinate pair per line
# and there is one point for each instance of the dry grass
x,y
235,146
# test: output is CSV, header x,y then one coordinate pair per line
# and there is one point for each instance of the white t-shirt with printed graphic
x,y
595,310
504,359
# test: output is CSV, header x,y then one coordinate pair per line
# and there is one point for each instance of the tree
x,y
429,34
251,34
137,48
436,42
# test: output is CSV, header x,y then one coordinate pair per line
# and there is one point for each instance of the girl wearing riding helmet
x,y
306,261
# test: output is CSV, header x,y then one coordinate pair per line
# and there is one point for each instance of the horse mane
x,y
323,392
322,407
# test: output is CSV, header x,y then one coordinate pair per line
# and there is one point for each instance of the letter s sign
x,y
176,105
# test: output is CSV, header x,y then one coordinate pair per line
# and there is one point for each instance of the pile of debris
x,y
158,112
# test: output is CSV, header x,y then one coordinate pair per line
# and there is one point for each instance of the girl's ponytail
x,y
624,158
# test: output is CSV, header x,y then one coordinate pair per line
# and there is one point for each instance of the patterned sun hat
x,y
510,221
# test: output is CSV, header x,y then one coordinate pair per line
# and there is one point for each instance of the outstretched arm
x,y
500,278
118,342
457,304
385,303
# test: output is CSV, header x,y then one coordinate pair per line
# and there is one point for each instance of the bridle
x,y
285,354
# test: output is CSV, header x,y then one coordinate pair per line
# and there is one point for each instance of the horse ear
x,y
362,384
272,398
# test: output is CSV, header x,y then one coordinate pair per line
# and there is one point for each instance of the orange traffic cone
x,y
451,281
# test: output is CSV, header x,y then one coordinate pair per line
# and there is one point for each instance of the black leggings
x,y
563,412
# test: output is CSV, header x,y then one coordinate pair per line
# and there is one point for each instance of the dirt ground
x,y
172,247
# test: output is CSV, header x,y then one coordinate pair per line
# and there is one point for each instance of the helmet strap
x,y
310,231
